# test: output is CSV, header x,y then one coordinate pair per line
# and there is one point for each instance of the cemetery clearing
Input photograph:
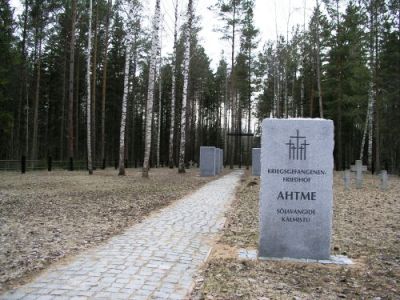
x,y
45,217
366,228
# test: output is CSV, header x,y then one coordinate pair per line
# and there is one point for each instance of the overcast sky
x,y
267,14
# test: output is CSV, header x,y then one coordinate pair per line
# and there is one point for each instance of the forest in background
x,y
78,75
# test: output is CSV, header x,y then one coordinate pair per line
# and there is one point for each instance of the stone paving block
x,y
30,297
58,292
85,293
13,296
45,297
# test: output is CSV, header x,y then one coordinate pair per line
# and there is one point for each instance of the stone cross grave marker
x,y
256,162
296,188
353,168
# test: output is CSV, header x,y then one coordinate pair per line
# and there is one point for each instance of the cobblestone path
x,y
155,259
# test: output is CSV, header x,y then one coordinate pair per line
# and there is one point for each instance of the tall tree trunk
x,y
339,93
240,152
311,101
377,31
339,133
36,105
133,93
301,95
158,142
94,86
186,62
225,158
291,104
62,125
77,110
123,114
88,99
150,93
318,62
232,86
249,109
372,86
367,122
71,84
104,84
173,93
302,65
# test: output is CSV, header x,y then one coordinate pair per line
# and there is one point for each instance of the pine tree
x,y
7,77
71,85
88,94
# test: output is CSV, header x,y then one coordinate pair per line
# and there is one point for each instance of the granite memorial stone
x,y
207,161
256,161
296,188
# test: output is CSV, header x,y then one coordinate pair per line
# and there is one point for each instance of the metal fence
x,y
23,165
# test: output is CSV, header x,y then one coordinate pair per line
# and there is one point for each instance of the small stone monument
x,y
347,179
207,161
359,174
256,162
383,176
296,188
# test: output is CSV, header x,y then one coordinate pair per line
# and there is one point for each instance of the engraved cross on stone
x,y
298,150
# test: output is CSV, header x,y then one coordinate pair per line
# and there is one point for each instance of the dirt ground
x,y
366,228
45,217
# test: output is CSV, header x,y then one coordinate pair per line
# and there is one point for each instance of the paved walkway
x,y
155,259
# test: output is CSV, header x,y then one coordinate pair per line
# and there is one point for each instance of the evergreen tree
x,y
8,63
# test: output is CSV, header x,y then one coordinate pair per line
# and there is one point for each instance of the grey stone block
x,y
296,188
383,176
256,162
359,175
207,161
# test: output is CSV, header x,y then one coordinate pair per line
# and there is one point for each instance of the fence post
x,y
49,163
23,164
